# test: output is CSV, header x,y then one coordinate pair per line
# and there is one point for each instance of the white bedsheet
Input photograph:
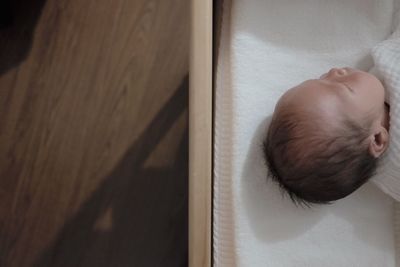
x,y
267,47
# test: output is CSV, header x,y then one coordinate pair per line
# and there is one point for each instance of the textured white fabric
x,y
269,46
387,66
387,63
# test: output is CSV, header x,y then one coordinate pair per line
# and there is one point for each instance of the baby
x,y
327,135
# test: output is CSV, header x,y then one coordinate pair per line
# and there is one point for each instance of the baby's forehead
x,y
310,99
309,120
310,91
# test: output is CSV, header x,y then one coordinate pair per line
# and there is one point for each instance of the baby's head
x,y
327,134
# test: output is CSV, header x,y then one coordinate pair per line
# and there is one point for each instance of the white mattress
x,y
268,46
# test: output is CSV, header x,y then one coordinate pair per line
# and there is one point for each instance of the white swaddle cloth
x,y
386,56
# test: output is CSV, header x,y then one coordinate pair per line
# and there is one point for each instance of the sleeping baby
x,y
327,135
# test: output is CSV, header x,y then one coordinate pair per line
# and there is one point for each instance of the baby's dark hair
x,y
318,166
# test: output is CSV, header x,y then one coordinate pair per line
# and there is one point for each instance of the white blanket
x,y
387,64
269,46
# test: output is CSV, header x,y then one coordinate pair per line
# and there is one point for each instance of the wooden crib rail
x,y
200,135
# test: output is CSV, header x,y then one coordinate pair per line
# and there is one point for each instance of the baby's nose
x,y
337,71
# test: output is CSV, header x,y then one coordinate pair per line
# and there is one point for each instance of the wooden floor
x,y
93,133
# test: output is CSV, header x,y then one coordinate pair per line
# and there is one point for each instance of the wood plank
x,y
93,142
200,144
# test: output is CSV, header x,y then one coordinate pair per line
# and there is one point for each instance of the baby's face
x,y
347,91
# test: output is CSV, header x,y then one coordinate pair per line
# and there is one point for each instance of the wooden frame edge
x,y
200,135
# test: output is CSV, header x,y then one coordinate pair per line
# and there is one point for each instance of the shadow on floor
x,y
18,19
146,207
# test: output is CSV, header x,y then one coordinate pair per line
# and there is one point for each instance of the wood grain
x,y
93,134
200,146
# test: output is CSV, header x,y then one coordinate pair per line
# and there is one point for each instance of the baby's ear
x,y
379,142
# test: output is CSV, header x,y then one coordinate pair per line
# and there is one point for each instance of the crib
x,y
366,213
200,128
